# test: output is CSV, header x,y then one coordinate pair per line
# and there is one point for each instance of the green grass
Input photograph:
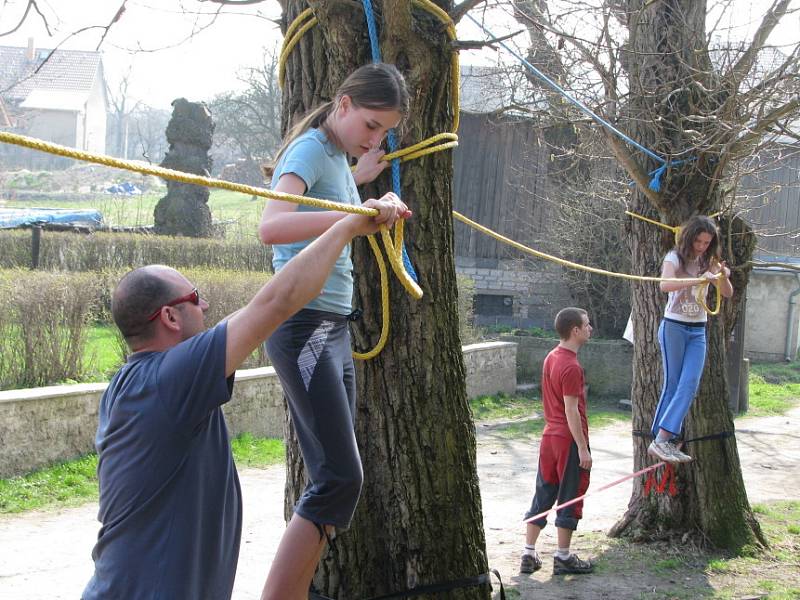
x,y
768,399
777,373
74,482
500,407
241,210
67,484
250,451
102,353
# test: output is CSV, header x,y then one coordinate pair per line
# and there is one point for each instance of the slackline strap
x,y
435,588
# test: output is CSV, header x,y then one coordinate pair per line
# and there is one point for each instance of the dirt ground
x,y
46,555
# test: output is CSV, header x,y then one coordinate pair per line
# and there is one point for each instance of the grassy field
x,y
75,482
240,213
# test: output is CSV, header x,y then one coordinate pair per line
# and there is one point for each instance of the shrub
x,y
43,325
45,316
102,251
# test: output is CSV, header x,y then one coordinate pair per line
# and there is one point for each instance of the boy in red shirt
x,y
564,457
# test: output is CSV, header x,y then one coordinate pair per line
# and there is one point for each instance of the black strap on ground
x,y
712,436
435,588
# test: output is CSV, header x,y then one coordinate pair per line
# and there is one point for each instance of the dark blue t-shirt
x,y
170,501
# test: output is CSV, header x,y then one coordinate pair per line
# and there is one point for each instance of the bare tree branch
x,y
478,44
742,67
636,172
116,18
31,4
462,9
757,131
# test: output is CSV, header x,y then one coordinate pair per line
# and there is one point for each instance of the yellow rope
x,y
384,304
392,247
294,32
306,20
570,264
676,229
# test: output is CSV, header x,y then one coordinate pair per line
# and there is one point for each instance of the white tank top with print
x,y
682,305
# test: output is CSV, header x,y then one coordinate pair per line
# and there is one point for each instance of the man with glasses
x,y
170,501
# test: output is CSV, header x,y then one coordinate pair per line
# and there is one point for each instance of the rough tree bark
x,y
671,76
419,519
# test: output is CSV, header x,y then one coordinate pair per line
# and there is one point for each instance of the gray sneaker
x,y
663,451
680,456
530,564
571,565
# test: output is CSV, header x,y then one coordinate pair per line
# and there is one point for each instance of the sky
x,y
146,42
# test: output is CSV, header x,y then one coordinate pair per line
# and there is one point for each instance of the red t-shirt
x,y
562,375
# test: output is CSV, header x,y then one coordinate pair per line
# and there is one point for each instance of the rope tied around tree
x,y
703,292
664,164
436,143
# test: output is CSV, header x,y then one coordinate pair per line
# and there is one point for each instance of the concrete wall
x,y
767,323
608,363
491,368
41,426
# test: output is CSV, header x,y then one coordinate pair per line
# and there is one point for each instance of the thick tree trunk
x,y
668,57
419,518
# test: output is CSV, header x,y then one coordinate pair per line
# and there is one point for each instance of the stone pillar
x,y
184,210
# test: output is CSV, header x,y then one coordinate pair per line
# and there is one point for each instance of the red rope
x,y
600,489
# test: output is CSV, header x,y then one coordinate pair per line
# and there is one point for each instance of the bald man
x,y
170,501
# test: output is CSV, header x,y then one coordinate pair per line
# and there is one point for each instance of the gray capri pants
x,y
311,355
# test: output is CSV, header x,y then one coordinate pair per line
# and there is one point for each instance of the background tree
x,y
120,109
248,123
147,139
419,518
706,107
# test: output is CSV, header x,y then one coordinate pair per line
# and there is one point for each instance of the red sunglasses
x,y
193,297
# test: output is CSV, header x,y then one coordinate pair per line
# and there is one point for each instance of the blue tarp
x,y
16,217
125,189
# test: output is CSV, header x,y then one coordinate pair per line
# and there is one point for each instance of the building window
x,y
493,305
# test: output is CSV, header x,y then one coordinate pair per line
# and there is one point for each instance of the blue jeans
x,y
683,350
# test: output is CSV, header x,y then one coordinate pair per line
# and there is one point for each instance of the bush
x,y
103,251
43,325
45,316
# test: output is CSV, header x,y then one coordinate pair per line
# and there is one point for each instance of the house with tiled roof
x,y
59,96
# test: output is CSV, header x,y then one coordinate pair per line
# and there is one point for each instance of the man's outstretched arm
x,y
294,286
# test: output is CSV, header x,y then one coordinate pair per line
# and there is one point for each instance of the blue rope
x,y
391,138
655,175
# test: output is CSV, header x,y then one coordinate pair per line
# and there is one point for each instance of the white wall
x,y
767,322
96,117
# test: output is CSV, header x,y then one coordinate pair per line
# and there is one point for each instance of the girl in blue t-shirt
x,y
682,333
311,351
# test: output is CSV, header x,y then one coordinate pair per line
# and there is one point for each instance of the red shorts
x,y
559,478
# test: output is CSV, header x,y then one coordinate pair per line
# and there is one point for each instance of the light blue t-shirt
x,y
325,170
